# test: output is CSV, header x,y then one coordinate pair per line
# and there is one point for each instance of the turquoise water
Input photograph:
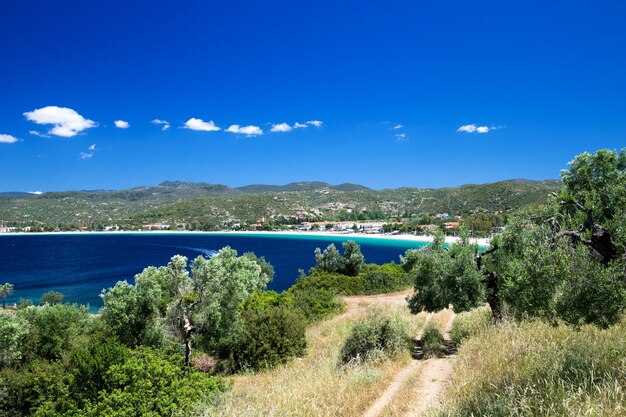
x,y
82,265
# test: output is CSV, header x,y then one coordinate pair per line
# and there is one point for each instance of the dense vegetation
x,y
201,206
565,262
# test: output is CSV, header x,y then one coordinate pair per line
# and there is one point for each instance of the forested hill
x,y
218,206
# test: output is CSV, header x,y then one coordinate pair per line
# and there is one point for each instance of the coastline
x,y
484,242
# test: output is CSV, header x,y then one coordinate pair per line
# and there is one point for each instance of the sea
x,y
81,265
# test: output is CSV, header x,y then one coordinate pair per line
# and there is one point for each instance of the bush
x,y
151,383
470,323
51,298
54,329
433,343
385,278
13,331
337,283
375,338
270,336
316,303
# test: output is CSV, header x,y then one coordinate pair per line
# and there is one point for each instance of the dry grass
x,y
315,385
534,368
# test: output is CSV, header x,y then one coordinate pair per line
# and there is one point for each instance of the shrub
x,y
374,339
316,303
470,323
54,329
270,336
151,383
433,343
51,298
385,278
13,331
337,283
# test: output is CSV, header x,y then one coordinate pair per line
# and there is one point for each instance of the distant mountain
x,y
300,186
215,206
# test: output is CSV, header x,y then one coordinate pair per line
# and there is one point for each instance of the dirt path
x,y
433,374
433,379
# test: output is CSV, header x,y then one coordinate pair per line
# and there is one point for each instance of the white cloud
x,y
472,128
67,122
165,123
199,124
88,155
35,192
401,137
246,130
315,123
36,133
282,127
398,126
297,125
122,124
8,139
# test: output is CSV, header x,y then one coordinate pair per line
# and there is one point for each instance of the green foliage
x,y
90,363
5,289
444,277
373,339
352,259
270,335
222,283
554,280
53,329
150,383
384,278
433,342
51,298
13,331
315,303
330,261
132,311
36,385
334,282
598,182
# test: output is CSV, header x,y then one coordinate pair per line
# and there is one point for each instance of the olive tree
x,y
5,290
567,261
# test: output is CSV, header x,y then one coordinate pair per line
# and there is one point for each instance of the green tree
x,y
5,290
329,260
352,259
51,298
567,263
54,329
13,331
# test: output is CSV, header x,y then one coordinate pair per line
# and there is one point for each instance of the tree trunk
x,y
491,282
187,329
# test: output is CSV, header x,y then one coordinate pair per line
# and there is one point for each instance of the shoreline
x,y
397,237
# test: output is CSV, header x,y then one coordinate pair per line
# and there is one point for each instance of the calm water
x,y
80,266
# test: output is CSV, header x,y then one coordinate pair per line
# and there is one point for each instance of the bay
x,y
81,265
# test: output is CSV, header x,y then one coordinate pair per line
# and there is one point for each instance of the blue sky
x,y
533,82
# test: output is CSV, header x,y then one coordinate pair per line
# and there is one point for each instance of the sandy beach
x,y
395,237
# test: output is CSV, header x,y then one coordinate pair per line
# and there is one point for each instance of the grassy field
x,y
315,385
511,369
536,369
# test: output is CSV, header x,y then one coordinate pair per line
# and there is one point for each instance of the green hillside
x,y
219,206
